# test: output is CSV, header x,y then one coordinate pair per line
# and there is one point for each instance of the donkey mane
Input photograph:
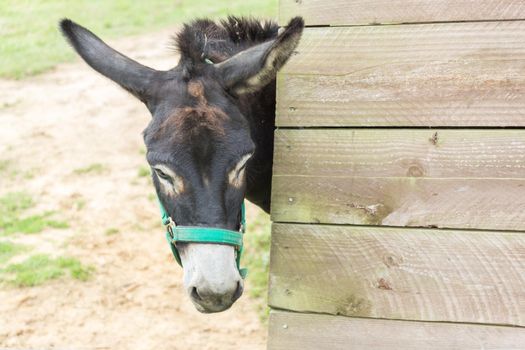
x,y
204,39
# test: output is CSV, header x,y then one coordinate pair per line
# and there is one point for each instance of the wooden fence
x,y
399,177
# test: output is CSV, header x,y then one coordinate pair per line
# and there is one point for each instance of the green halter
x,y
197,234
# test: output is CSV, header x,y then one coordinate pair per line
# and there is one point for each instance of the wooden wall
x,y
399,177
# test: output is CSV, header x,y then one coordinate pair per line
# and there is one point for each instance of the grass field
x,y
13,218
40,268
31,42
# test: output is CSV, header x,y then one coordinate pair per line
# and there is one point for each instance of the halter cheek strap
x,y
196,234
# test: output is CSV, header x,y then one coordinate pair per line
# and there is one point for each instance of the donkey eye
x,y
162,174
242,163
171,182
241,168
235,177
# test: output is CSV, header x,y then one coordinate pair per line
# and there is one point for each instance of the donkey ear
x,y
126,72
251,69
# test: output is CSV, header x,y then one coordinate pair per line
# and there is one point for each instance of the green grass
x,y
12,220
95,168
144,171
39,269
79,204
32,224
15,202
31,42
8,104
152,197
8,250
111,231
4,166
257,259
7,170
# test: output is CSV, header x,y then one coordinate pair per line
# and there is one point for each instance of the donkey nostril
x,y
194,294
238,292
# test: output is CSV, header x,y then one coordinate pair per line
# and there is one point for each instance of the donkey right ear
x,y
131,75
252,69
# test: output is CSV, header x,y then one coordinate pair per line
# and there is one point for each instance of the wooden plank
x,y
294,331
437,153
409,274
358,12
474,204
401,177
457,74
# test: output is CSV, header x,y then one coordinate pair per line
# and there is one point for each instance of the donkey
x,y
210,140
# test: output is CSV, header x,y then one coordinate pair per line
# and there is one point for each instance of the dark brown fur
x,y
204,38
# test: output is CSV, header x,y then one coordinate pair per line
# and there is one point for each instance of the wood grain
x,y
456,74
437,153
410,274
293,331
402,177
352,12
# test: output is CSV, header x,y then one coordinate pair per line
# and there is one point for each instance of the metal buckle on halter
x,y
170,225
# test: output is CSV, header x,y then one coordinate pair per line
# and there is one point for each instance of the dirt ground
x,y
69,119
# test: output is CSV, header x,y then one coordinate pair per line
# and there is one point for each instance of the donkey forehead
x,y
197,123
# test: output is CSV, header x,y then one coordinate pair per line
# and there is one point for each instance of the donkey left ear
x,y
252,69
131,75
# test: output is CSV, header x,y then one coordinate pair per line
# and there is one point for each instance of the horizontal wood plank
x,y
358,12
393,273
294,331
401,177
437,153
456,74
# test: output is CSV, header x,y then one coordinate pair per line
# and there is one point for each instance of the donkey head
x,y
198,142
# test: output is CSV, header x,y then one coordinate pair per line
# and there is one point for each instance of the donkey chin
x,y
211,277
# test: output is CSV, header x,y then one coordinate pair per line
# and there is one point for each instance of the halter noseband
x,y
196,234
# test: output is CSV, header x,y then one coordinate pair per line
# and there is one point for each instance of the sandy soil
x,y
68,119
